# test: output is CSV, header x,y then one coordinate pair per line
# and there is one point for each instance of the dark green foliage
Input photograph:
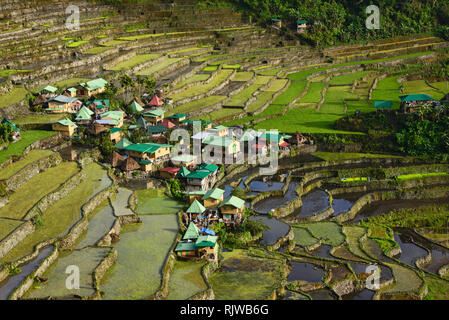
x,y
176,189
5,132
344,20
241,235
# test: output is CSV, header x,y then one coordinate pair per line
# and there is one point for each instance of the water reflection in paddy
x,y
322,294
313,203
360,295
306,272
8,286
265,206
277,229
410,252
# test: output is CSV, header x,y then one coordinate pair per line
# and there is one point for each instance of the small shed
x,y
276,23
301,26
169,172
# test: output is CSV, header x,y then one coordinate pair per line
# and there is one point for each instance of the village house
x,y
112,118
301,26
15,133
48,91
135,107
220,131
158,153
65,126
231,210
182,173
122,144
203,178
154,116
156,102
84,116
168,124
276,23
99,106
116,134
223,145
184,160
413,102
195,245
146,165
169,172
177,118
156,131
91,87
130,165
70,92
63,104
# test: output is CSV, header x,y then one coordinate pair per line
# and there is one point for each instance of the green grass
x,y
219,114
302,75
353,234
420,175
337,94
262,99
34,189
293,91
328,232
333,156
243,76
355,179
154,201
7,226
203,88
443,86
232,66
186,280
134,61
40,118
96,50
313,95
196,104
240,99
262,79
15,96
389,83
348,79
210,68
69,82
438,288
195,78
277,85
158,67
113,43
62,215
304,118
76,44
15,167
303,237
28,137
8,72
420,86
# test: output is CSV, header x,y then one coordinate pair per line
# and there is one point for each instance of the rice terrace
x,y
135,138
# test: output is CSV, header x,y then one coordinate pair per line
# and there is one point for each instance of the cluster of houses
x,y
207,208
411,103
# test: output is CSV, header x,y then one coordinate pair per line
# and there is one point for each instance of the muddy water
x,y
290,295
265,206
305,272
121,202
8,286
322,294
382,207
344,202
360,295
99,225
410,251
277,229
323,252
260,186
440,254
313,203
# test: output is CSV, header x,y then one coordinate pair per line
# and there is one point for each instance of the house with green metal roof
x,y
218,131
116,134
71,91
84,115
135,107
65,126
184,160
222,144
47,89
301,26
413,102
116,116
177,118
195,245
182,173
380,104
213,197
231,210
92,87
150,151
122,144
15,134
209,167
196,208
154,116
156,130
